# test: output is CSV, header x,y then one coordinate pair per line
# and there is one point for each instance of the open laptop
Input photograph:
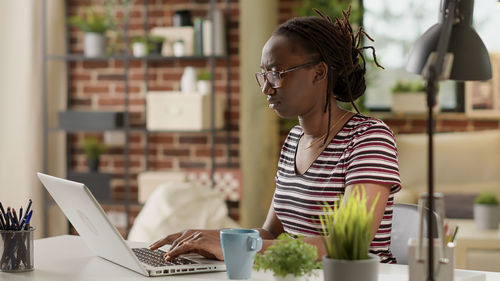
x,y
91,222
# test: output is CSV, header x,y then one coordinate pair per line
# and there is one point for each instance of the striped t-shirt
x,y
363,151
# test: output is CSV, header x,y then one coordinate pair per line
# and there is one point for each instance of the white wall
x,y
20,106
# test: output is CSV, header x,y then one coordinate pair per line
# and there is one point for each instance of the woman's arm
x,y
371,191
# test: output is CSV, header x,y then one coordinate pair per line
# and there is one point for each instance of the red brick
x,y
193,139
176,152
111,77
94,64
192,165
160,138
95,89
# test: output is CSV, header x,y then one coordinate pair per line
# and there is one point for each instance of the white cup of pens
x,y
16,239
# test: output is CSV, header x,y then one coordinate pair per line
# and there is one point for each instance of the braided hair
x,y
334,43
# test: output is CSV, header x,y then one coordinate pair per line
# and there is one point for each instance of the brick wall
x,y
99,85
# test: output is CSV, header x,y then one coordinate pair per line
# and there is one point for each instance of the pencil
x,y
454,234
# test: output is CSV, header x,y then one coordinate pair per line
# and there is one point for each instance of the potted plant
x,y
93,149
486,211
140,46
347,237
289,258
204,81
410,98
156,44
178,47
94,24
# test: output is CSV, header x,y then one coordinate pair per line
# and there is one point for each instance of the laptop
x,y
91,222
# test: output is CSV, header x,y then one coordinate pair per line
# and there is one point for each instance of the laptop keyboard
x,y
156,258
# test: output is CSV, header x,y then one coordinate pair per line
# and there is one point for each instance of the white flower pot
x,y
178,49
139,49
289,277
487,216
204,86
348,270
94,44
411,103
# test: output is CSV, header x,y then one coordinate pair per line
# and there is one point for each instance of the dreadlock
x,y
334,43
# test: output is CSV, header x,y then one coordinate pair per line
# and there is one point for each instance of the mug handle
x,y
254,243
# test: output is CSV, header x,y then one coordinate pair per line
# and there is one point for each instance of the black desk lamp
x,y
450,49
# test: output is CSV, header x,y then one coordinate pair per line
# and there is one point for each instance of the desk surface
x,y
67,258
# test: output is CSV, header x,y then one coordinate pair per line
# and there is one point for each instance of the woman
x,y
308,65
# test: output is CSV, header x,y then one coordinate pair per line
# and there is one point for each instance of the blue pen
x,y
27,209
26,221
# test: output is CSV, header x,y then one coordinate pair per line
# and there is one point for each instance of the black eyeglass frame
x,y
264,75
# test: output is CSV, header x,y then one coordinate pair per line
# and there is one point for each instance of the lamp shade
x,y
471,60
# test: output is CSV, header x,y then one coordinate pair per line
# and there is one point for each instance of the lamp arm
x,y
435,69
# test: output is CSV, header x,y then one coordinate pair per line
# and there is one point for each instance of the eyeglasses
x,y
274,76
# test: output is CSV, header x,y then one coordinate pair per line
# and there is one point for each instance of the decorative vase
x,y
487,216
93,165
94,44
139,49
347,270
204,86
188,80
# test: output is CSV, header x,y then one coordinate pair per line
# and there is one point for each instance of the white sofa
x,y
465,163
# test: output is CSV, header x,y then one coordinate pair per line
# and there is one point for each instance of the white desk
x,y
67,258
476,249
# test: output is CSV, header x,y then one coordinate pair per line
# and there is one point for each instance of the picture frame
x,y
482,98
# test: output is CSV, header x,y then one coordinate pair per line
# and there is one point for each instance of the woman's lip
x,y
274,104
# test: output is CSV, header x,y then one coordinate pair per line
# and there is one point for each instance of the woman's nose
x,y
267,89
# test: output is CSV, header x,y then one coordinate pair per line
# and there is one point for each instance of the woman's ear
x,y
321,72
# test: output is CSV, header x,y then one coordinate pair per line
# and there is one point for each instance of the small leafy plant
x,y
139,39
347,230
156,39
92,21
408,87
288,256
486,198
203,75
93,148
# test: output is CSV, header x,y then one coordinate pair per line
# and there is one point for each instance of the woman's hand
x,y
203,242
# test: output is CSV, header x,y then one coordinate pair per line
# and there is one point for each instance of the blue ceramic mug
x,y
239,247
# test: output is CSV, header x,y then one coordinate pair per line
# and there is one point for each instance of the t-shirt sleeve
x,y
373,157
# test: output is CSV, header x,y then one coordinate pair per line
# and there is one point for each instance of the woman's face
x,y
299,92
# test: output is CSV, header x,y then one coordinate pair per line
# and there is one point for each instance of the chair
x,y
405,220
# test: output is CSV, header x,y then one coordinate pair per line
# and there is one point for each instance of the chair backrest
x,y
405,220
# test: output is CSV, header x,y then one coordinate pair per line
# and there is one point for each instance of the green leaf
x,y
349,227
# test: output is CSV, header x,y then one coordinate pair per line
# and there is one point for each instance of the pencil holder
x,y
444,262
16,248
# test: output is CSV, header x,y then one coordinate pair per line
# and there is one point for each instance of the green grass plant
x,y
486,198
347,229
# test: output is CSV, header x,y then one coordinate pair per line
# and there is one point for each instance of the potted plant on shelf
x,y
140,46
347,238
94,24
179,47
486,211
410,98
289,258
93,149
156,44
204,81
